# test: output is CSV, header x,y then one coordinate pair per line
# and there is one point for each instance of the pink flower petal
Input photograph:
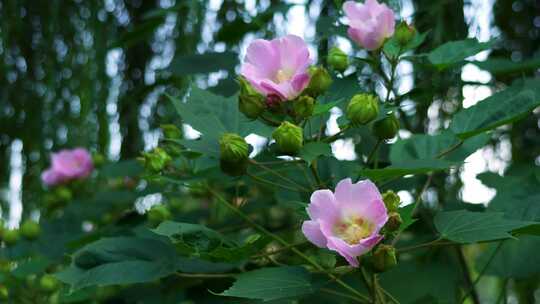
x,y
312,231
322,206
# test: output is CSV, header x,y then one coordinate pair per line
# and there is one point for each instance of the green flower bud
x,y
387,127
4,293
63,194
303,106
404,33
391,200
234,152
250,102
337,59
158,214
48,283
384,258
156,160
171,131
10,236
289,137
233,148
319,82
362,109
394,222
30,230
98,159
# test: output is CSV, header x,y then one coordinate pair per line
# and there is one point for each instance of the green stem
x,y
373,151
336,136
205,275
360,297
481,272
276,173
315,173
416,204
436,242
270,121
271,183
467,275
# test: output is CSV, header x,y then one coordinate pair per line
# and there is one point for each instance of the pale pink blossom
x,y
278,67
370,23
347,221
68,165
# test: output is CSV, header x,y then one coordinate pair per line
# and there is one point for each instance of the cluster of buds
x,y
29,230
392,202
156,160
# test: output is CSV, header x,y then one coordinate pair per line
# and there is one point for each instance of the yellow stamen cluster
x,y
353,229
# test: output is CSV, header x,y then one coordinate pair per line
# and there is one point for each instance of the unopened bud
x,y
320,81
384,258
234,153
156,160
171,131
10,236
404,33
289,137
63,194
303,106
362,109
98,159
158,214
4,293
337,59
48,283
394,222
30,230
391,201
387,127
250,102
233,147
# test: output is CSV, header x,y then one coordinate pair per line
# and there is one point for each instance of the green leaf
x,y
415,280
272,284
406,214
124,168
120,260
469,227
323,108
424,146
419,166
203,63
312,150
201,241
130,260
501,108
36,265
454,52
392,49
515,259
197,237
213,115
504,66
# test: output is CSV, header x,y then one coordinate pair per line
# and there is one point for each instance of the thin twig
x,y
276,173
467,275
481,273
269,182
373,151
205,275
416,204
360,297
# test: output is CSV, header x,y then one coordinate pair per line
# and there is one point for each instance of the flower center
x,y
353,229
283,75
